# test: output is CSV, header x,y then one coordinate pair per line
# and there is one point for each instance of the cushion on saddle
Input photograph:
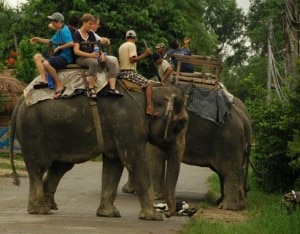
x,y
131,86
72,80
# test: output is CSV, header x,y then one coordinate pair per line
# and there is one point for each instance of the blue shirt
x,y
185,67
64,36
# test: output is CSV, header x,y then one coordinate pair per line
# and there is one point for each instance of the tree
x,y
8,32
119,16
276,123
227,21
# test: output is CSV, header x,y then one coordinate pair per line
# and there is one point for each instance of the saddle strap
x,y
97,123
96,117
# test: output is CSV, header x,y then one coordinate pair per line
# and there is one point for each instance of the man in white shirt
x,y
128,58
164,69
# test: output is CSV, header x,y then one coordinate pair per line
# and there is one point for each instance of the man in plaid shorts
x,y
128,59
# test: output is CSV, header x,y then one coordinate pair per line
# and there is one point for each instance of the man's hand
x,y
186,40
147,52
34,40
105,41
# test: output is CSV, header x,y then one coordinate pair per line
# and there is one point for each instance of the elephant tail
x,y
12,133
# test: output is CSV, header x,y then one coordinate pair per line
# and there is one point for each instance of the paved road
x,y
78,199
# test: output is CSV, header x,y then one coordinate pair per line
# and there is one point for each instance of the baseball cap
x,y
160,45
130,33
56,16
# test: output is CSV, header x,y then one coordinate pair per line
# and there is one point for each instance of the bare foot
x,y
152,113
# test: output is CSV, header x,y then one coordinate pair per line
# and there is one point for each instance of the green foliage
x,y
8,30
294,150
25,67
226,21
273,125
294,144
247,82
260,14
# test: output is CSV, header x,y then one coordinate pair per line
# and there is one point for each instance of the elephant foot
x,y
51,203
108,211
152,214
38,208
127,188
234,207
219,200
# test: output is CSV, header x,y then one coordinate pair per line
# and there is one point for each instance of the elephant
x,y
224,149
54,135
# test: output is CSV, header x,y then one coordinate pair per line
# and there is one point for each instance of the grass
x,y
5,163
265,212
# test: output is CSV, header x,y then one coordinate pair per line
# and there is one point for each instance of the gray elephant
x,y
224,149
56,134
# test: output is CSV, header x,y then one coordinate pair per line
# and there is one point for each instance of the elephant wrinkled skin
x,y
224,149
56,134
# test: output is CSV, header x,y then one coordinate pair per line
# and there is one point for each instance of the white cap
x,y
131,33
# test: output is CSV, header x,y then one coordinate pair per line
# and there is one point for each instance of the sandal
x,y
115,92
92,93
58,93
40,85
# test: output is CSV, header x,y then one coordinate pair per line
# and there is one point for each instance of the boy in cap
x,y
161,49
62,54
164,69
128,58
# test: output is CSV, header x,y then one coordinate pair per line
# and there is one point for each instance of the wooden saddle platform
x,y
207,71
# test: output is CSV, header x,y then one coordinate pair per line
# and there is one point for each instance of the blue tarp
x,y
4,141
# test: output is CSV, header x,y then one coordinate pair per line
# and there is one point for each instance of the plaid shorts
x,y
133,76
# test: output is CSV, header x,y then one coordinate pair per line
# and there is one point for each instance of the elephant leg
x,y
221,180
36,203
144,189
156,159
128,187
232,191
159,180
242,191
52,179
111,175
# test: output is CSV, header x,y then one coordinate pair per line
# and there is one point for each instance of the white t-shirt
x,y
163,67
126,51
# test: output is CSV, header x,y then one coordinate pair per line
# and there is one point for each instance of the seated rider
x,y
176,49
164,69
86,56
111,62
128,58
62,54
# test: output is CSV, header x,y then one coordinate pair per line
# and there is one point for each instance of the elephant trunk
x,y
173,168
